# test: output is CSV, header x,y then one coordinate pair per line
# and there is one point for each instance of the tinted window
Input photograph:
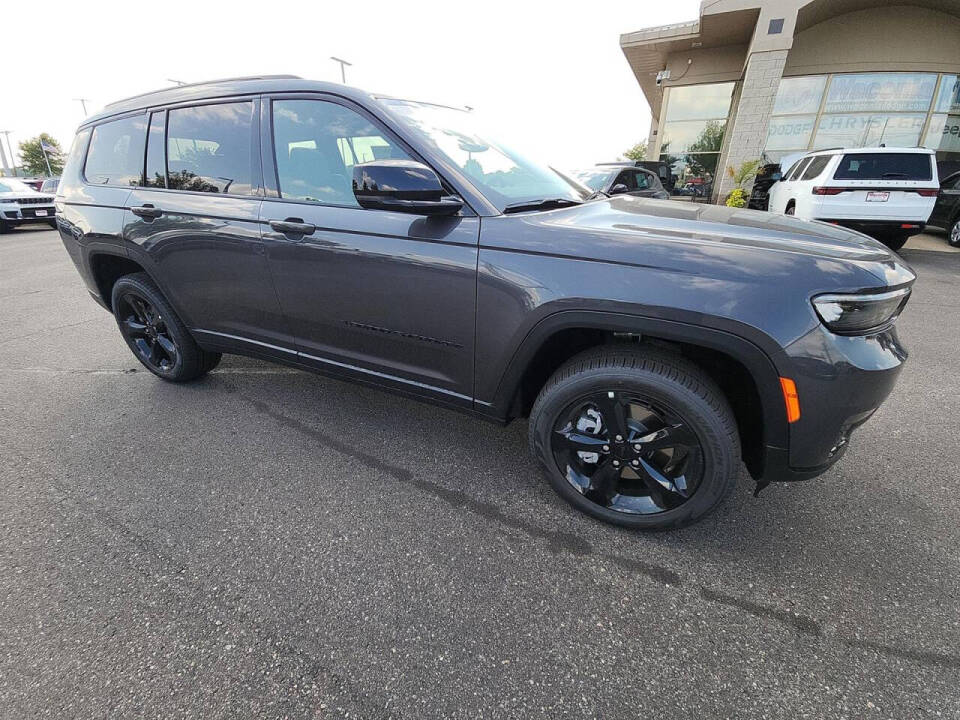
x,y
815,167
317,144
799,168
209,148
951,183
789,172
643,180
115,156
593,179
156,171
628,179
885,166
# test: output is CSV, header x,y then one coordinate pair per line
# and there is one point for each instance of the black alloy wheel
x,y
953,234
627,453
155,334
146,332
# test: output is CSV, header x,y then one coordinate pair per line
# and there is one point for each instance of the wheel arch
x,y
745,372
106,267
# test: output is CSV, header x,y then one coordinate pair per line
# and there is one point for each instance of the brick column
x,y
749,132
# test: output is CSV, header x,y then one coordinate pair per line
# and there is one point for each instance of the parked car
x,y
50,185
20,204
33,182
766,176
652,345
885,192
946,211
622,179
658,167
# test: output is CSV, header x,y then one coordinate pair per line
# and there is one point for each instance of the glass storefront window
x,y
699,102
790,132
886,92
798,95
866,130
695,173
943,134
948,99
693,136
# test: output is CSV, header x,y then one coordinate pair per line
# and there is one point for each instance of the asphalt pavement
x,y
271,543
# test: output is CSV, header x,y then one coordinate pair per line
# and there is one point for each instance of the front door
x,y
196,221
382,296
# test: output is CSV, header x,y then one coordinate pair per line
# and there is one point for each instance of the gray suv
x,y
653,346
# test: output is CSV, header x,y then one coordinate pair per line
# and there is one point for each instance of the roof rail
x,y
205,82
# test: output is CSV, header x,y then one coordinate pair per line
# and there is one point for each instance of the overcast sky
x,y
551,73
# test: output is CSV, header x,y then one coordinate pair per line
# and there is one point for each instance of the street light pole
x,y
13,161
83,104
176,82
343,65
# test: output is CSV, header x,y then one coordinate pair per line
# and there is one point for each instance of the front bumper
x,y
18,214
841,382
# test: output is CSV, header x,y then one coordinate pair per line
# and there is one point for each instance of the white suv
x,y
20,204
887,193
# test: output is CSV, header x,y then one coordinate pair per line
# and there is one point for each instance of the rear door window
x,y
210,149
815,167
885,166
115,156
643,180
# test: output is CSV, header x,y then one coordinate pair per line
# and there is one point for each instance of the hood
x,y
676,236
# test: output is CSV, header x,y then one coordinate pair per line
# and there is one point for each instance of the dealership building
x,y
751,79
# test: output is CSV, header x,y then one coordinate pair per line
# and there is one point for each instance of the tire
x,y
647,380
953,233
52,223
154,333
5,227
791,210
895,242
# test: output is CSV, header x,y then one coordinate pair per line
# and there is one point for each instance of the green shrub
x,y
737,198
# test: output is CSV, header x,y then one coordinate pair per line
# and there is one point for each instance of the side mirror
x,y
401,186
619,189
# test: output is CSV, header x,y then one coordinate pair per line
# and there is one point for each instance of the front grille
x,y
35,201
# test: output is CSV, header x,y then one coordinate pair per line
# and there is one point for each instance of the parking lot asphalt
x,y
270,543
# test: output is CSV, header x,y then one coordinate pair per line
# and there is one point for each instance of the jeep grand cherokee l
x,y
20,204
652,345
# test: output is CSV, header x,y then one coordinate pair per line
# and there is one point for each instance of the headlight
x,y
8,202
852,314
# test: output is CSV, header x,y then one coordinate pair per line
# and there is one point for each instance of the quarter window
x,y
317,143
210,149
115,156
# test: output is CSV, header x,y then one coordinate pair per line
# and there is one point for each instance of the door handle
x,y
293,226
147,211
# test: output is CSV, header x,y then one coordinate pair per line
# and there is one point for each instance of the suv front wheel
x,y
636,437
154,333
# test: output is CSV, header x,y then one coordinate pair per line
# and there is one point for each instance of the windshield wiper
x,y
895,174
542,204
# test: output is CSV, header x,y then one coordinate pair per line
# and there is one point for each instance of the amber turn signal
x,y
790,399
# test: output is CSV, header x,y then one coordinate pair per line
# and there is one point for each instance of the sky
x,y
549,75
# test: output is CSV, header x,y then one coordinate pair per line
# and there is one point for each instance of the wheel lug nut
x,y
606,448
637,448
616,463
619,438
634,462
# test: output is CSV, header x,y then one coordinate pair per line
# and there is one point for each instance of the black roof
x,y
223,88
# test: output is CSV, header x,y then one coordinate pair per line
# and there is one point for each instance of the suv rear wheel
x,y
154,333
953,232
636,437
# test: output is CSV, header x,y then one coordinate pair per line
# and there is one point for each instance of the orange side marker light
x,y
790,399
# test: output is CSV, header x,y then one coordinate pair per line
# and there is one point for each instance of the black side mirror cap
x,y
402,186
619,189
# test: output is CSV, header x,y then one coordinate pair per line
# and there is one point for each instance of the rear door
x,y
194,222
381,296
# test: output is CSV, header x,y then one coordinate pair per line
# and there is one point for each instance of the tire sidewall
x,y
186,347
718,453
953,226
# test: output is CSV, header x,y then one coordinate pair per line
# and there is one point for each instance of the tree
x,y
637,152
31,155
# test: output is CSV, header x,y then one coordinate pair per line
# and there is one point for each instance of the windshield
x,y
504,177
9,185
593,179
